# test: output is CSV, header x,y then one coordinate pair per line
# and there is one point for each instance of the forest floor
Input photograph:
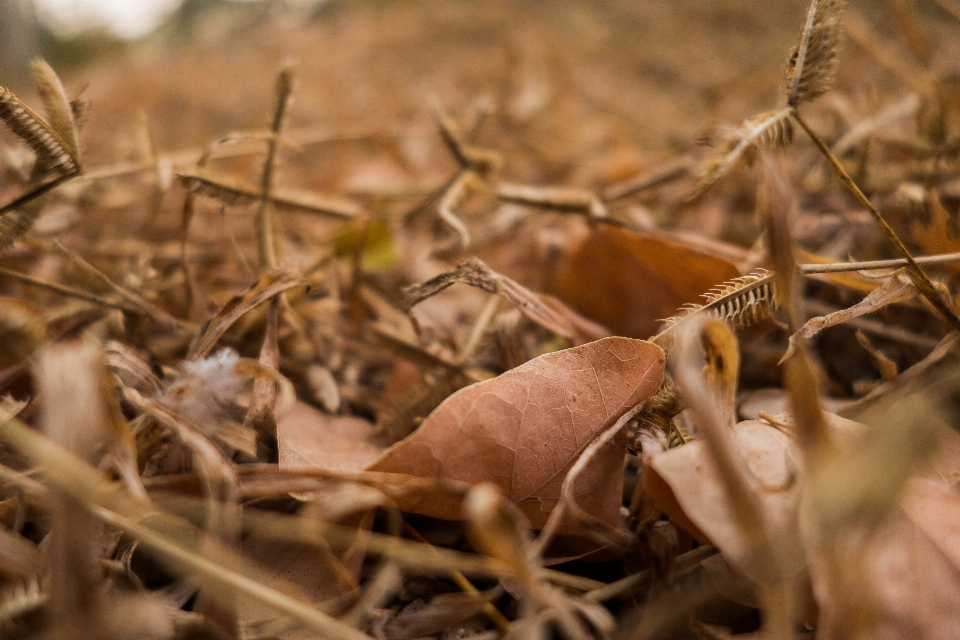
x,y
486,319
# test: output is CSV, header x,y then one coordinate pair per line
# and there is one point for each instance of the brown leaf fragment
x,y
523,430
896,289
313,440
886,366
277,281
551,315
629,280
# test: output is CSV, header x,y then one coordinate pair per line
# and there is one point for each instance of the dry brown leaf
x,y
410,396
685,484
550,314
313,440
524,429
630,281
939,234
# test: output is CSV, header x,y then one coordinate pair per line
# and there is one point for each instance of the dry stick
x,y
497,618
919,276
837,267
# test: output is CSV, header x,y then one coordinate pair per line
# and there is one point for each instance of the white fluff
x,y
204,387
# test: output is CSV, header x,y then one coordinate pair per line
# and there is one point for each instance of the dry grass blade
x,y
218,565
406,349
277,281
71,292
642,580
919,276
764,132
266,242
813,63
710,413
740,301
57,105
650,180
234,192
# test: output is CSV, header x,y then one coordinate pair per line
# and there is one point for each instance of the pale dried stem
x,y
838,267
650,180
454,196
603,532
705,406
266,241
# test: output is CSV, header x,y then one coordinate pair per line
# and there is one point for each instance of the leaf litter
x,y
462,354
